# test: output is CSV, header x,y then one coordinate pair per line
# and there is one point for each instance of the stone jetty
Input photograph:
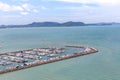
x,y
13,61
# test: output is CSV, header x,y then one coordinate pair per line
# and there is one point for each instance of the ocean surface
x,y
104,65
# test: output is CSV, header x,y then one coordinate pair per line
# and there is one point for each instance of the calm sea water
x,y
104,65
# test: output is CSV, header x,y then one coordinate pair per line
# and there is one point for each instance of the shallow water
x,y
104,65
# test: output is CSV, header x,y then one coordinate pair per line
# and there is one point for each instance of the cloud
x,y
21,0
35,10
43,8
100,2
26,7
24,13
6,7
24,0
23,9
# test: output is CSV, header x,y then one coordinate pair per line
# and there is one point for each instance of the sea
x,y
104,65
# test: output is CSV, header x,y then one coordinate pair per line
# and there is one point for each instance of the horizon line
x,y
61,22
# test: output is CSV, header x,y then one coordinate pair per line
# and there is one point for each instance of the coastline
x,y
57,24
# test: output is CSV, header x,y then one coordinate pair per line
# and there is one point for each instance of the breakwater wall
x,y
87,50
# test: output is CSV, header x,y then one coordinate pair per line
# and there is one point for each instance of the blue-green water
x,y
104,65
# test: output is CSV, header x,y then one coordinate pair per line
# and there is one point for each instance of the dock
x,y
17,60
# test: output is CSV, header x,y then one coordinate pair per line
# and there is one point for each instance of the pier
x,y
13,61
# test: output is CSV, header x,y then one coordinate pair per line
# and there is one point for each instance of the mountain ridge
x,y
55,24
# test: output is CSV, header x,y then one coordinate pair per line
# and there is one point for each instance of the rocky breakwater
x,y
12,61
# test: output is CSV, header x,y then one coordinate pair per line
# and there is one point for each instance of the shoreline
x,y
86,51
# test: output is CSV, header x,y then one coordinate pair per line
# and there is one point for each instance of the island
x,y
22,59
57,24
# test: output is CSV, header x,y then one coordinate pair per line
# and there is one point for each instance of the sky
x,y
88,11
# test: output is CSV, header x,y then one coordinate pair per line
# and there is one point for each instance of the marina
x,y
13,61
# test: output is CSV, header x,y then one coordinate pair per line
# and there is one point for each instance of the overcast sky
x,y
88,11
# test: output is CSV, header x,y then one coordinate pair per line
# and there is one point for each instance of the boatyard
x,y
12,61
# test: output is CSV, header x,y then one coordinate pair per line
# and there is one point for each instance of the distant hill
x,y
40,24
70,23
55,24
52,24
